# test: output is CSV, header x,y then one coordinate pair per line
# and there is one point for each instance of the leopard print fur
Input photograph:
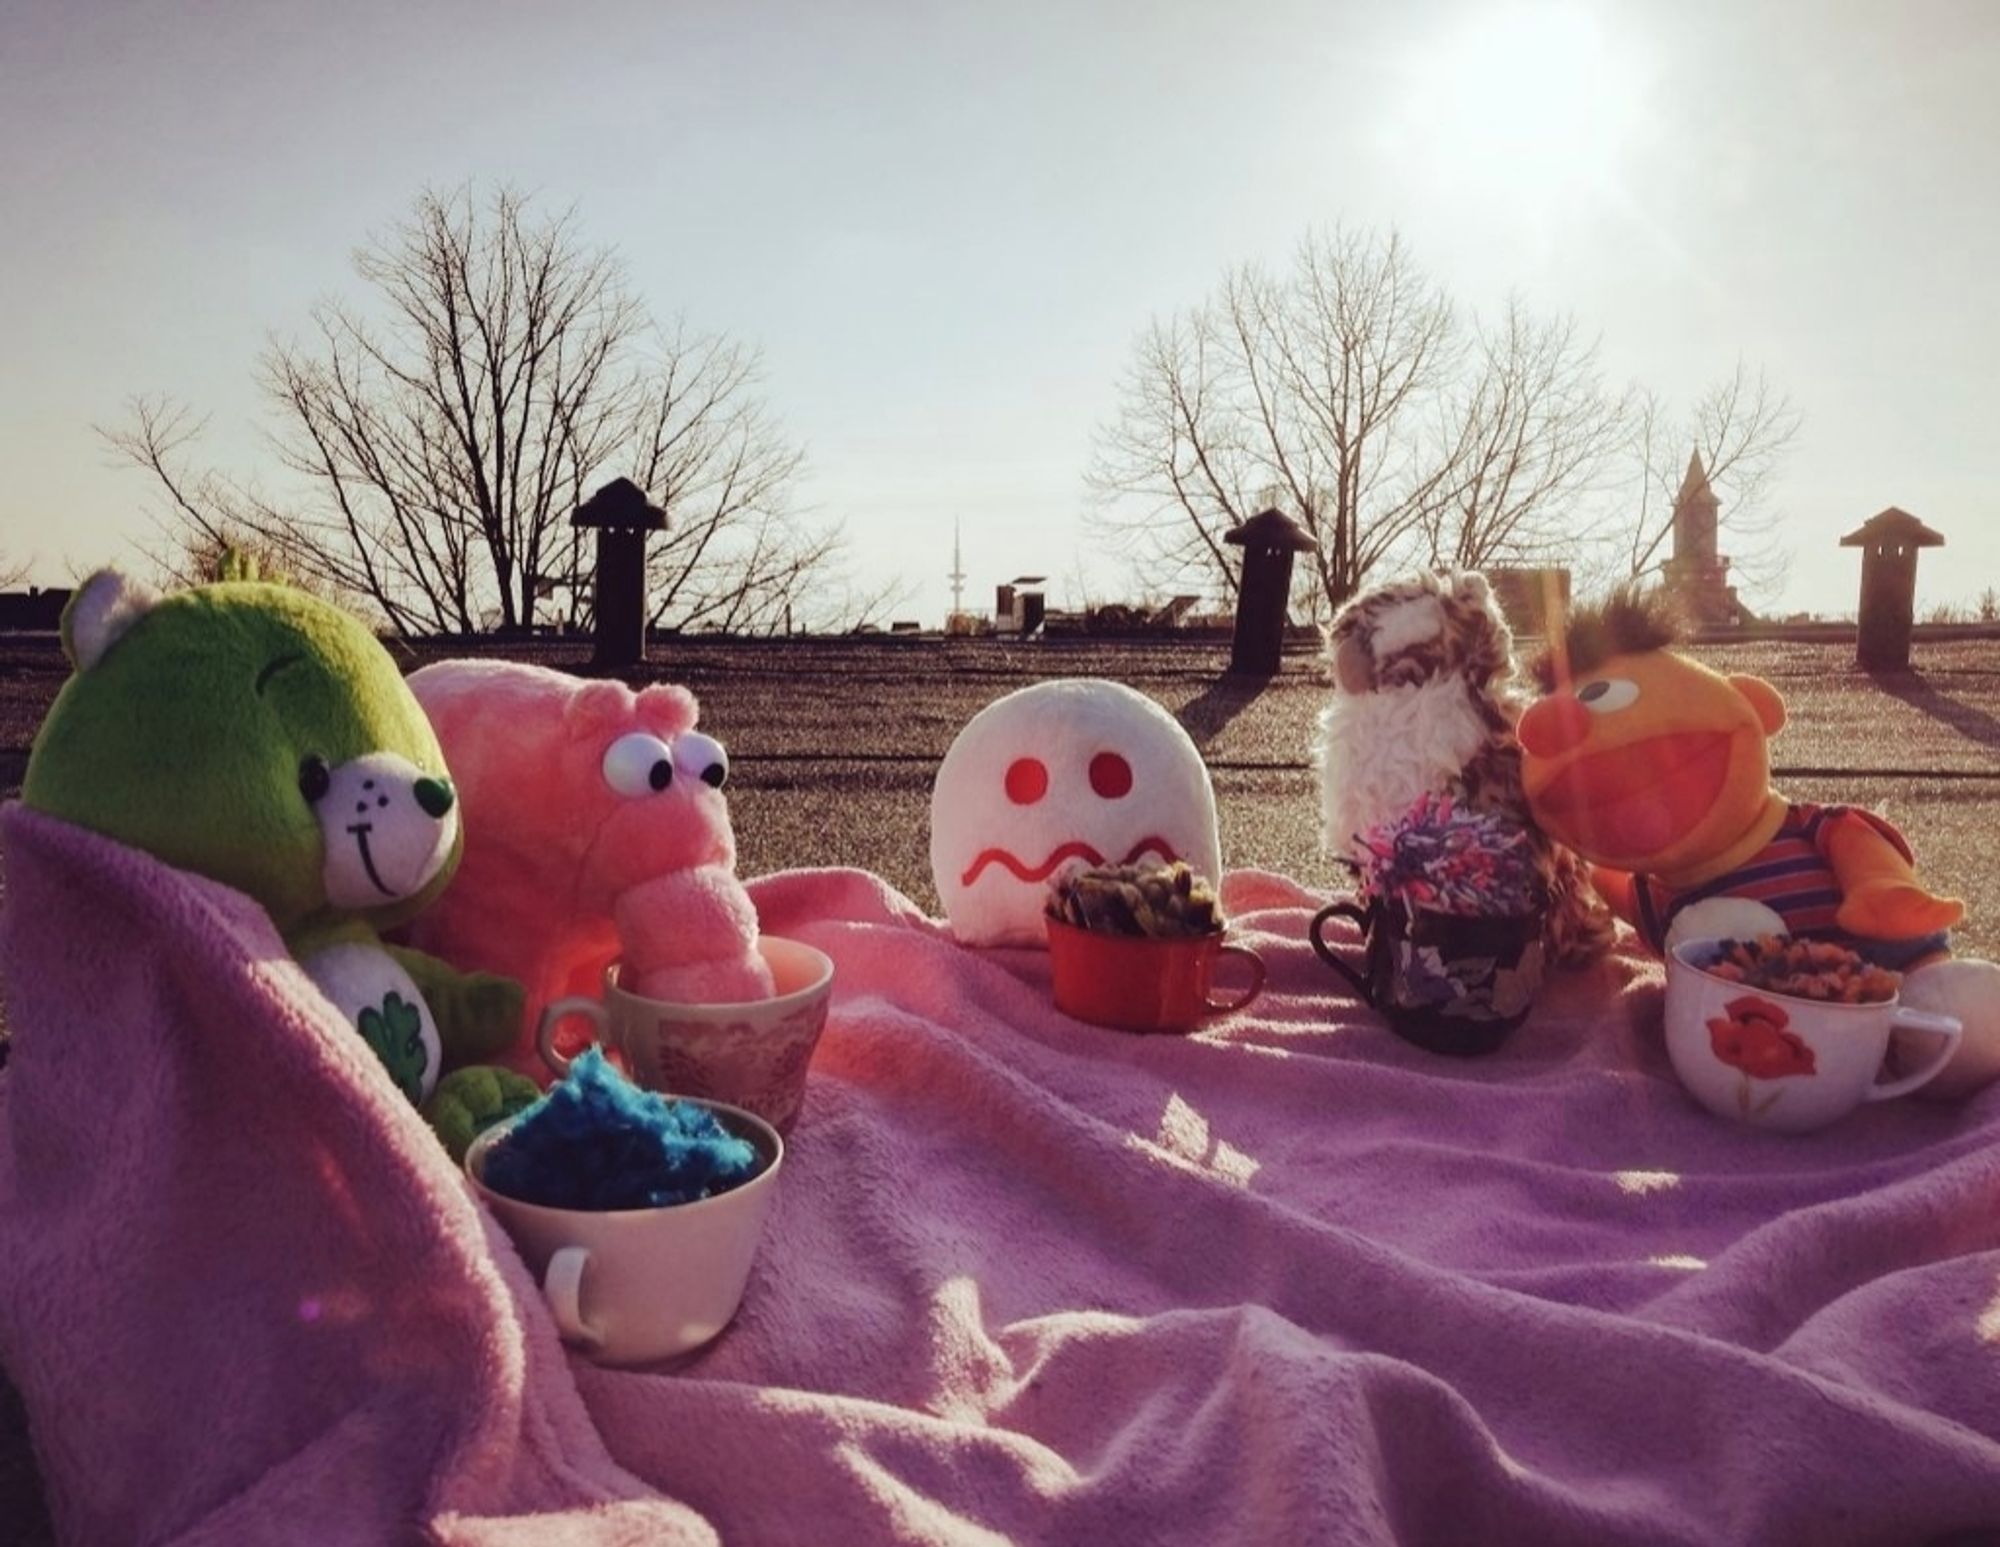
x,y
1440,648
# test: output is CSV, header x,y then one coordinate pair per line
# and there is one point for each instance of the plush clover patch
x,y
396,1032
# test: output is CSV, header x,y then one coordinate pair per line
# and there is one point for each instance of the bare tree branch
x,y
1350,387
437,441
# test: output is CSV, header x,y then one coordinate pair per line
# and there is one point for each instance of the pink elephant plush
x,y
595,831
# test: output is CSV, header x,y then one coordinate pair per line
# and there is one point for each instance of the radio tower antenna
x,y
957,575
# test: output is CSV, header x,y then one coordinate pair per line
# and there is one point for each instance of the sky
x,y
945,226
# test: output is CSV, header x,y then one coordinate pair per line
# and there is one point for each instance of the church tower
x,y
1697,575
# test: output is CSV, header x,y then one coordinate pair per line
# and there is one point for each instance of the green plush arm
x,y
469,1101
478,1014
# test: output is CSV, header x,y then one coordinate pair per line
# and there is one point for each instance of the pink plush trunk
x,y
690,937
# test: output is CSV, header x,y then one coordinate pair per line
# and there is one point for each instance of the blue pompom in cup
x,y
639,1215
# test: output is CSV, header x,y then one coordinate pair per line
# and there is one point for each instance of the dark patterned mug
x,y
1451,983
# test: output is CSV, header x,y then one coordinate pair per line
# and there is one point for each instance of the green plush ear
x,y
100,614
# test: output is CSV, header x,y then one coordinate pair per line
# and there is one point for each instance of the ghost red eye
x,y
1110,775
1027,781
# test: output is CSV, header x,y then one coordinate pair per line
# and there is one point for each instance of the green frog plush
x,y
261,737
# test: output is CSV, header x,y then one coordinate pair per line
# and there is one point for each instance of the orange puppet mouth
x,y
1632,802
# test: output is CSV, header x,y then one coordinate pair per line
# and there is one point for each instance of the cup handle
x,y
1949,1027
1224,1006
553,1016
562,1287
1345,910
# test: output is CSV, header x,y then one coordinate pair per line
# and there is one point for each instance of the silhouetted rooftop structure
x,y
1271,529
1892,526
621,503
33,609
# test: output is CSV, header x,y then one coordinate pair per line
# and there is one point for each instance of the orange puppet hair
x,y
1628,622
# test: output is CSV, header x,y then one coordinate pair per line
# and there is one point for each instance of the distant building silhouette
x,y
1697,575
1019,607
1528,596
33,609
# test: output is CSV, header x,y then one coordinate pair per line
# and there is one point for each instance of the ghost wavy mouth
x,y
1062,853
361,830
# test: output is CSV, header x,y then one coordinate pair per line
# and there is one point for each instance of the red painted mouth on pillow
x,y
1074,849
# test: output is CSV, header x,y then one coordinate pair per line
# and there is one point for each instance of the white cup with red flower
x,y
1780,1060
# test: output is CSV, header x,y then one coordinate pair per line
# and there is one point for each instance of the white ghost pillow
x,y
1085,770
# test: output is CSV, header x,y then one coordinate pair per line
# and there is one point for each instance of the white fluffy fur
x,y
1379,751
1406,624
103,609
1723,918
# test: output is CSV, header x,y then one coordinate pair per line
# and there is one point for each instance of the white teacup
x,y
632,1286
1779,1062
753,1055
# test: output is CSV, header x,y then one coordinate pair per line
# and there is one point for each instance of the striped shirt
x,y
1790,875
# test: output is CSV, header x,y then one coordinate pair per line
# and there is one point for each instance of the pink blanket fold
x,y
1289,1280
1293,1280
244,1294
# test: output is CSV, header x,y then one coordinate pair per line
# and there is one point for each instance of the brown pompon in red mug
x,y
1137,983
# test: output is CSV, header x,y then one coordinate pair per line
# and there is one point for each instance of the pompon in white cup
x,y
1780,1062
635,1286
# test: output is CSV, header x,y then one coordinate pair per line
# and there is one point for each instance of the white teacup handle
x,y
1949,1027
562,1287
553,1016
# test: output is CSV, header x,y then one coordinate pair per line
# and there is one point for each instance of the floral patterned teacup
x,y
1779,1062
1452,983
752,1055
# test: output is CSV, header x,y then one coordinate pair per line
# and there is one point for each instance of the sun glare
x,y
1522,102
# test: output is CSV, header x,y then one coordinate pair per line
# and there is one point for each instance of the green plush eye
x,y
315,779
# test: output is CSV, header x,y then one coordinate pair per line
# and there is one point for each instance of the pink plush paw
x,y
735,980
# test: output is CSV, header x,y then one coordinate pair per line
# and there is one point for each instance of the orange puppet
x,y
1657,770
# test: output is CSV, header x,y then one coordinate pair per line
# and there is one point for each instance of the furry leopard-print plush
x,y
1425,700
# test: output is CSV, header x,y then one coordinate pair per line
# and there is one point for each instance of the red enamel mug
x,y
1135,983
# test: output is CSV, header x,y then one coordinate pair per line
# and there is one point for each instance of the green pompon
x,y
469,1101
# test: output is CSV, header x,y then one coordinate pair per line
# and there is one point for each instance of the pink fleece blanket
x,y
1288,1280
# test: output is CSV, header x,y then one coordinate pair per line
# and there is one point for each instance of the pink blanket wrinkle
x,y
1286,1280
245,1296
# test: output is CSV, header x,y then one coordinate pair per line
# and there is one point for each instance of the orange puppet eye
x,y
1027,781
1607,695
1110,775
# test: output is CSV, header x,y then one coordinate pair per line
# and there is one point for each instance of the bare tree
x,y
13,572
437,442
1537,433
1387,426
1741,427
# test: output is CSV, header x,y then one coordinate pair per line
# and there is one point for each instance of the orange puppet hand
x,y
1896,910
1881,897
